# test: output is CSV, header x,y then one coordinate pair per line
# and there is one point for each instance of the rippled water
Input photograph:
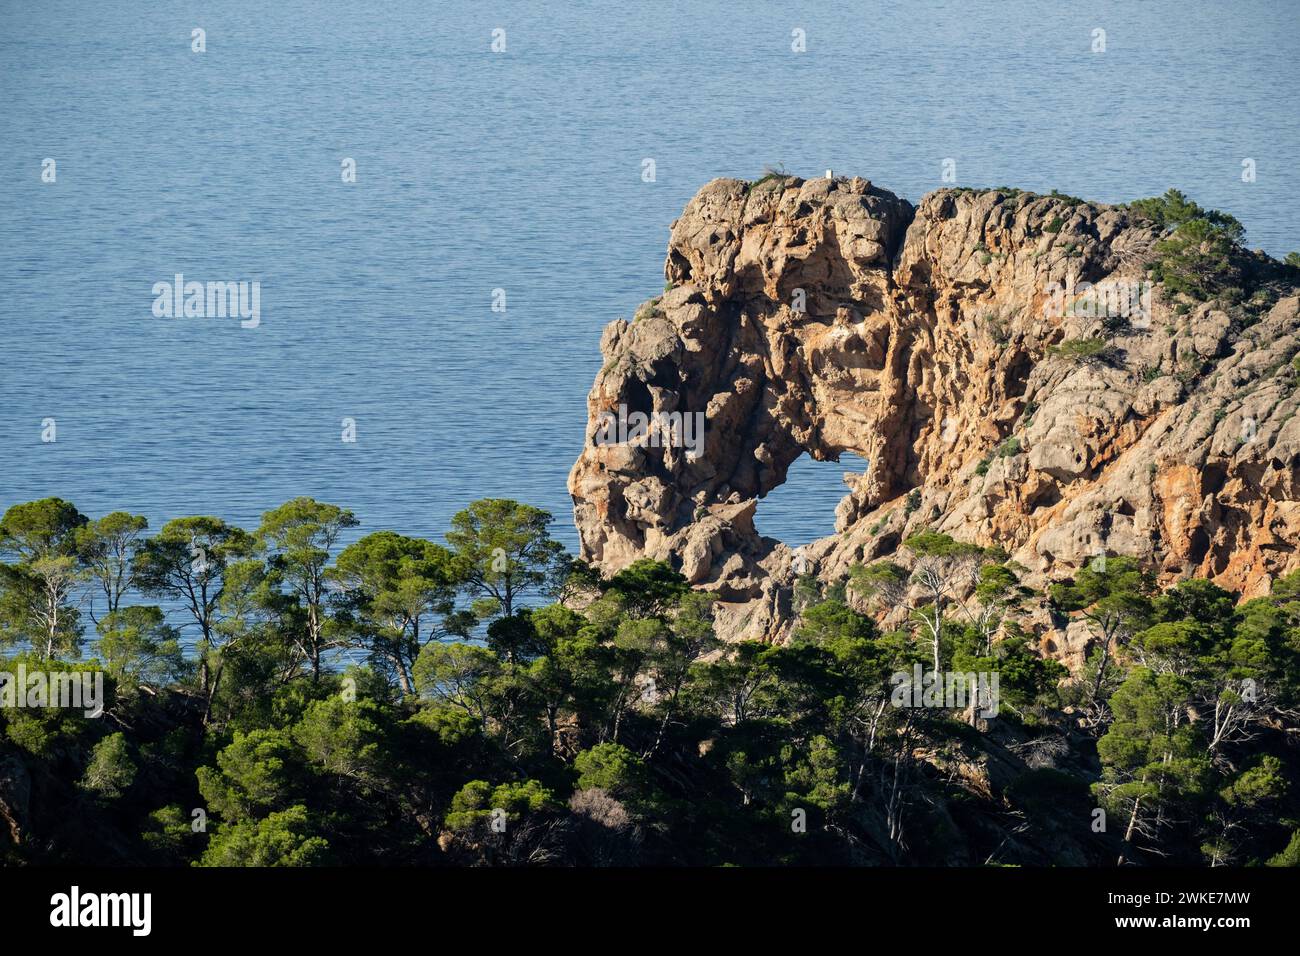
x,y
521,171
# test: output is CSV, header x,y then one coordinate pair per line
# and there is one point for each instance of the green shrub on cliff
x,y
1082,350
1197,256
774,176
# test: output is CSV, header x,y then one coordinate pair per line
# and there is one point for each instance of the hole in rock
x,y
1045,497
1212,477
802,509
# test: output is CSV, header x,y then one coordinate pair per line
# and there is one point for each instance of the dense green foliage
x,y
1083,350
481,721
1198,256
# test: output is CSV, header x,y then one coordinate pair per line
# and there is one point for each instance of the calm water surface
x,y
519,171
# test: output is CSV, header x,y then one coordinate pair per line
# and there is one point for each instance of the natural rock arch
x,y
924,347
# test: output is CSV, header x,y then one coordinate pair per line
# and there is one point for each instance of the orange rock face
x,y
972,351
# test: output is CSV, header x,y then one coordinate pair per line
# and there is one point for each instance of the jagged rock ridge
x,y
830,316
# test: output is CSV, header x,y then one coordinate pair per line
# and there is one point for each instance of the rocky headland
x,y
1058,378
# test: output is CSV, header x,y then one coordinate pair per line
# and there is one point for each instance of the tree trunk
x,y
207,704
1132,825
938,629
1101,666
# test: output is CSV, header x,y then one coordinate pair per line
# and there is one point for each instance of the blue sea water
x,y
519,170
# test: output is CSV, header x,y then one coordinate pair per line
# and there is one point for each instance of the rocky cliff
x,y
1002,361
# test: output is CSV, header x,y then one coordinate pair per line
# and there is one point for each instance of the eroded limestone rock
x,y
825,317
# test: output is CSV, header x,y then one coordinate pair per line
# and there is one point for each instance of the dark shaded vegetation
x,y
479,724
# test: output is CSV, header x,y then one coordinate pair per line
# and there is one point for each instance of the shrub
x,y
1197,260
613,768
1174,209
111,769
1068,200
1198,255
1082,350
647,310
770,175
